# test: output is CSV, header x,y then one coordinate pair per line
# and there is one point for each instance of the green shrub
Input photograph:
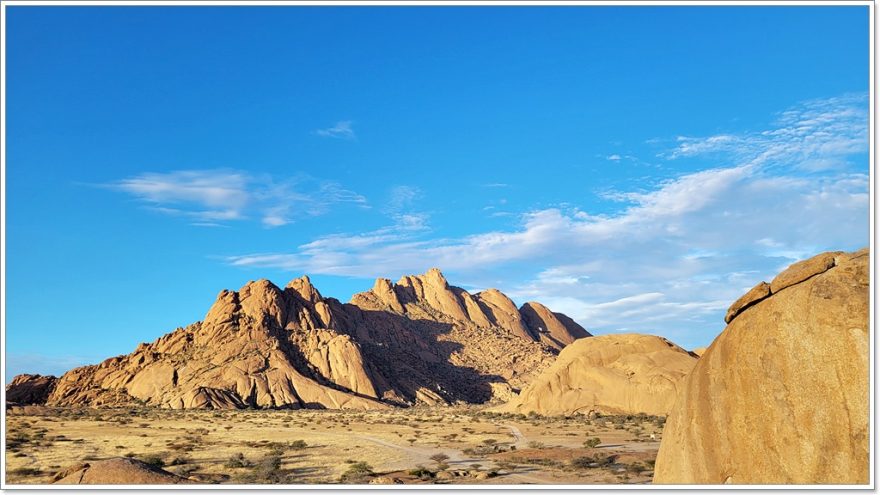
x,y
592,443
237,461
422,473
154,460
357,472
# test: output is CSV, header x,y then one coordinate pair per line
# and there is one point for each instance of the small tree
x,y
439,458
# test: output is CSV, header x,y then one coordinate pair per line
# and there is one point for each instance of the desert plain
x,y
457,445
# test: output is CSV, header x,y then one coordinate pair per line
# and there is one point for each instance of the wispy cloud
x,y
213,198
816,135
674,255
340,130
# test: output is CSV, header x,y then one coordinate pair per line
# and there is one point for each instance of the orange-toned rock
x,y
556,329
610,374
418,341
758,292
120,471
781,395
30,389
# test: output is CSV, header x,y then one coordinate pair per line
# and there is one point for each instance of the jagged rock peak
x,y
303,286
435,277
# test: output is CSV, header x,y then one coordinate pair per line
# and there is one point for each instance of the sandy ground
x,y
480,447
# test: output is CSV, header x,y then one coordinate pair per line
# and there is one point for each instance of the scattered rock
x,y
385,480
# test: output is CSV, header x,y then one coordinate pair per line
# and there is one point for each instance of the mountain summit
x,y
417,341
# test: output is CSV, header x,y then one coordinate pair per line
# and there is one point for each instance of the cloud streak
x,y
340,130
217,197
673,257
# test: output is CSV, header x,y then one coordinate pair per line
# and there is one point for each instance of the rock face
x,y
417,341
30,389
120,471
611,374
781,395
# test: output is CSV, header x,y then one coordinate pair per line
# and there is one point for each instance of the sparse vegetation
x,y
357,472
592,443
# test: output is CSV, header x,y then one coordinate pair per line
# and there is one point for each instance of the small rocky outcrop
x,y
781,395
119,471
30,389
609,374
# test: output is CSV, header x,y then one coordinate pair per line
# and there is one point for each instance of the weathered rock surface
x,y
417,341
611,374
120,471
781,395
30,389
556,329
757,293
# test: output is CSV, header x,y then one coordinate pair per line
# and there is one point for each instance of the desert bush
x,y
357,473
534,444
439,458
237,461
635,467
422,473
585,461
154,460
267,470
298,445
26,471
592,443
177,461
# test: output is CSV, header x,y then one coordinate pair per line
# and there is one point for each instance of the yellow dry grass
x,y
199,444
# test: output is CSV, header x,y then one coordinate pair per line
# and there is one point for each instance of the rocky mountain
x,y
781,395
609,374
417,341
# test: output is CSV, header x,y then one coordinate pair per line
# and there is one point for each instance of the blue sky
x,y
636,168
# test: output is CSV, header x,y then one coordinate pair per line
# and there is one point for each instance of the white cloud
x,y
211,197
673,257
613,158
816,135
340,130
